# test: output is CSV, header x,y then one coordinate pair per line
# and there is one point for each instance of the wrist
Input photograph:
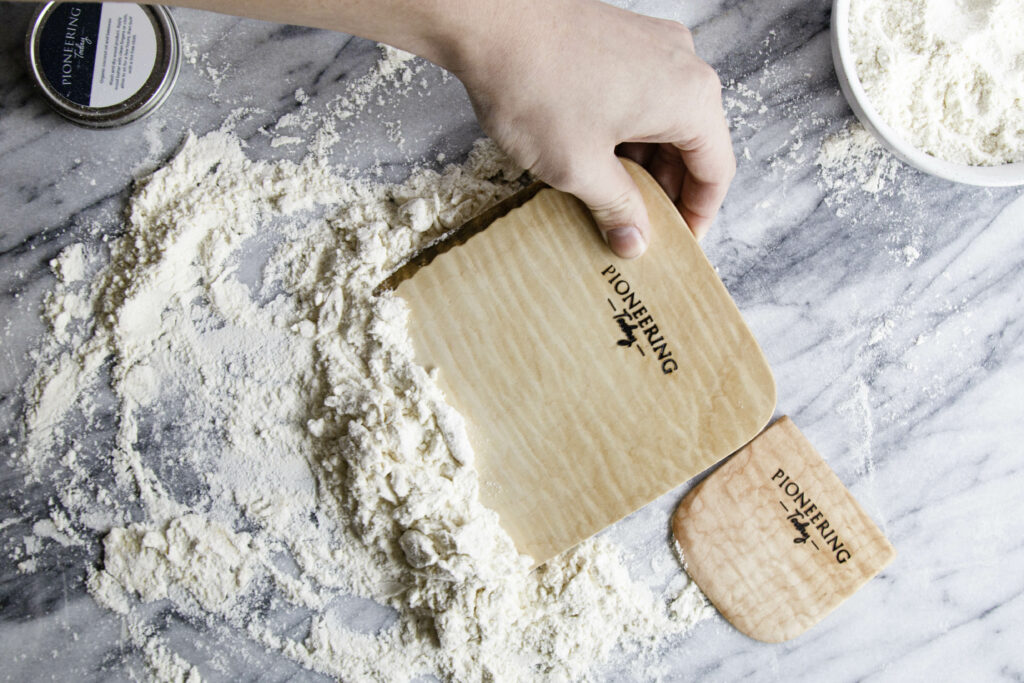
x,y
465,37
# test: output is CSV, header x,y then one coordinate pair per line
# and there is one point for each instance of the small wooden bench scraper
x,y
590,384
774,539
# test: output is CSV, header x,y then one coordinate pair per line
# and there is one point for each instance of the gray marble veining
x,y
893,323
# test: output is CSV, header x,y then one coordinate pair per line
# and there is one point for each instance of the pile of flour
x,y
946,74
275,446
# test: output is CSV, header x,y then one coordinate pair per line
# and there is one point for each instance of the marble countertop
x,y
893,321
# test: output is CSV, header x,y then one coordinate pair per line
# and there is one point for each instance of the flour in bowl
x,y
948,75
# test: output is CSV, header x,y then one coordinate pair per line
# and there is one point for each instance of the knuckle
x,y
680,34
704,86
563,168
618,207
564,173
708,80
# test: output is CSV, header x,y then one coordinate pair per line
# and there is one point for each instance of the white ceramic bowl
x,y
845,63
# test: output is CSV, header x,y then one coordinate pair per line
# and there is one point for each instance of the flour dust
x,y
264,439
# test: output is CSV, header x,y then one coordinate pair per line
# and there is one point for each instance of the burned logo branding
x,y
635,324
808,523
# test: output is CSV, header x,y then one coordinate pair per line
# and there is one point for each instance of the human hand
x,y
564,84
560,85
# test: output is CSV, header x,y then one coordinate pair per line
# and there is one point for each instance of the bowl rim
x,y
1004,175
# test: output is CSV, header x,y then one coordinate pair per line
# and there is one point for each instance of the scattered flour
x,y
852,161
853,167
194,56
276,444
947,74
395,70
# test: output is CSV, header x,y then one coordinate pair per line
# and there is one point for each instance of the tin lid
x,y
103,65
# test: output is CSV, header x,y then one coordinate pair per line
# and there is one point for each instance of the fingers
x,y
617,206
710,167
697,192
667,168
695,173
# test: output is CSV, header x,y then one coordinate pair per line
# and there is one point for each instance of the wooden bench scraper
x,y
590,384
774,539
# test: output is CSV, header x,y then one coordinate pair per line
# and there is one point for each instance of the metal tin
x,y
103,65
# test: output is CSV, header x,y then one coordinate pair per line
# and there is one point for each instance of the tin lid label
x,y
98,55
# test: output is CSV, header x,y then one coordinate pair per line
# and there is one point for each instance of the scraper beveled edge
x,y
458,236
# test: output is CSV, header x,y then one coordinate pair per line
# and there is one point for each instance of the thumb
x,y
618,208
